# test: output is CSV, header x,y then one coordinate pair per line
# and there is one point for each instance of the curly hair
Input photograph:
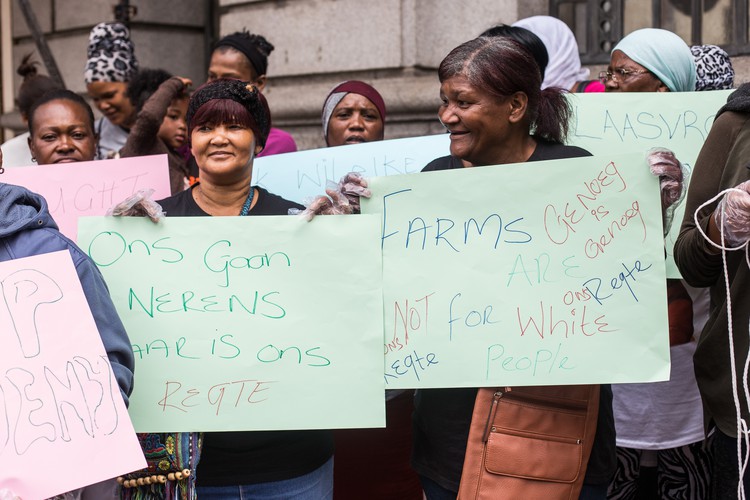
x,y
144,84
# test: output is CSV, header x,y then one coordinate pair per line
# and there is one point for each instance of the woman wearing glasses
x,y
660,447
650,60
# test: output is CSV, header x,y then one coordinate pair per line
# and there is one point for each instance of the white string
x,y
742,429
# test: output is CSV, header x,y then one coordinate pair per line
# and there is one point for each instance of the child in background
x,y
161,102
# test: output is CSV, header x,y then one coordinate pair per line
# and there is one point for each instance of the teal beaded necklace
x,y
249,201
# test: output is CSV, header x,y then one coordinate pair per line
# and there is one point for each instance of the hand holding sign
x,y
342,200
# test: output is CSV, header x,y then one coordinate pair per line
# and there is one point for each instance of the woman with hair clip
x,y
16,150
490,89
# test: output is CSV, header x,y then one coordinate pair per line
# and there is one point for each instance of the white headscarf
x,y
564,68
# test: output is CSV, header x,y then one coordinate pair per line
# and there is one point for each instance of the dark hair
x,y
255,48
527,38
230,101
33,86
61,95
501,67
144,84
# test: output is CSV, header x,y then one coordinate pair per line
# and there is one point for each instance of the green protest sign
x,y
533,274
614,123
247,323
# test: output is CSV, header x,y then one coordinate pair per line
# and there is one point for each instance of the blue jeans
x,y
317,485
434,491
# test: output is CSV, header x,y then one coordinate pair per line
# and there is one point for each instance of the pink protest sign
x,y
63,423
74,190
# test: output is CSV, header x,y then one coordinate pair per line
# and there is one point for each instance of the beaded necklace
x,y
249,201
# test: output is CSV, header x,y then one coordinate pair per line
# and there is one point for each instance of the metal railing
x,y
600,24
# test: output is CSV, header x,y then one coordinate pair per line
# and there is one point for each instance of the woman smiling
x,y
228,125
496,114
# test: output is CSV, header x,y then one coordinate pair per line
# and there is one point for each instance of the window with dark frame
x,y
600,24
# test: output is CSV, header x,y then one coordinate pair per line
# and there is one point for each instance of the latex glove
x,y
735,205
354,186
139,204
665,165
5,493
672,176
333,204
341,200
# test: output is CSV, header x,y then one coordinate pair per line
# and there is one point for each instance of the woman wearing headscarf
x,y
353,112
244,56
491,102
650,60
110,66
564,69
660,447
370,463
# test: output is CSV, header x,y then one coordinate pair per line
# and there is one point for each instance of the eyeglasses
x,y
620,74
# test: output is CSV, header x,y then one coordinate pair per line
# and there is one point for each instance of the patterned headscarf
x,y
111,54
664,54
713,68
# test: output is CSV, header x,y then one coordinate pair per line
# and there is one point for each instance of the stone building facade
x,y
396,45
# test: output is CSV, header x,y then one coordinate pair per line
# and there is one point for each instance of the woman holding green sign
x,y
228,125
496,114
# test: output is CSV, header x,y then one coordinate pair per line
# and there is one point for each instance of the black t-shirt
x,y
233,458
183,204
545,150
442,417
